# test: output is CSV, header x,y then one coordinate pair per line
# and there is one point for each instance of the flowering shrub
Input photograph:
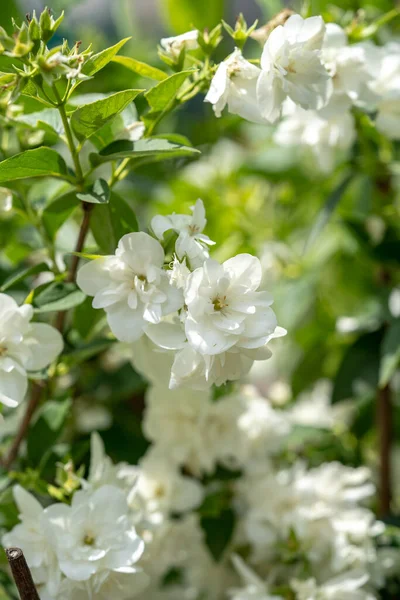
x,y
219,486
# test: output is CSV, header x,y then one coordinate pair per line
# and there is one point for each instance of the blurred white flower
x,y
291,67
386,86
6,200
235,84
174,45
131,286
192,242
163,489
24,347
347,586
324,134
255,588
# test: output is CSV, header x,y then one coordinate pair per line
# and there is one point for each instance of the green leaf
x,y
99,193
101,59
390,353
164,93
89,118
22,274
48,119
39,162
218,532
155,148
58,211
86,317
111,221
46,429
57,296
359,367
327,211
186,14
140,68
8,509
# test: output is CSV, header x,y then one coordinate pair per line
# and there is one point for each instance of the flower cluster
x,y
24,347
210,319
311,75
140,531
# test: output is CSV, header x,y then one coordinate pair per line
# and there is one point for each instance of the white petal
x,y
93,276
28,506
244,270
139,250
45,343
125,323
206,339
169,336
13,387
160,225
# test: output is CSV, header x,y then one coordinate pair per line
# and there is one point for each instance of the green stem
x,y
70,139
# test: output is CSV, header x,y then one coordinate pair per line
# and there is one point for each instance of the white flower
x,y
24,347
102,471
6,200
255,588
347,586
132,131
234,84
346,64
163,488
387,88
292,67
31,534
324,134
224,308
131,286
94,534
174,45
192,242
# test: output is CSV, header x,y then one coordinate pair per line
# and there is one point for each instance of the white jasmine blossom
x,y
131,286
234,85
24,347
173,46
94,534
225,308
192,243
292,67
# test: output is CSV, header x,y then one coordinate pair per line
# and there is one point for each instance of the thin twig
x,y
21,574
384,423
24,425
87,208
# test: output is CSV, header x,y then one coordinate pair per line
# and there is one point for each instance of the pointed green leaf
x,y
89,118
327,211
98,194
58,211
154,148
140,68
111,221
48,119
21,274
161,95
56,297
39,162
47,428
101,59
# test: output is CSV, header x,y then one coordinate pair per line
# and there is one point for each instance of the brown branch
x,y
80,243
24,425
385,434
21,574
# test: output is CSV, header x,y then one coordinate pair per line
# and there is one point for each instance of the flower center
x,y
220,303
193,229
3,350
89,539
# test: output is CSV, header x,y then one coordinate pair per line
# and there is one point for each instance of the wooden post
x,y
21,574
